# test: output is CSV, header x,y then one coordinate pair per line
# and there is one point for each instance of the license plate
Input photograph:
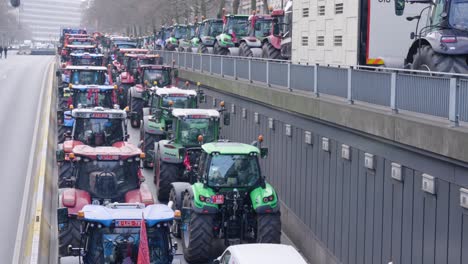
x,y
217,199
127,223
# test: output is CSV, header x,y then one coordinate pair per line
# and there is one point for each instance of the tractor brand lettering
x,y
107,157
99,115
217,199
177,95
127,223
198,116
93,89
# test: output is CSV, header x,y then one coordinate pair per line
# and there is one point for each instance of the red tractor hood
x,y
118,151
70,144
142,195
74,200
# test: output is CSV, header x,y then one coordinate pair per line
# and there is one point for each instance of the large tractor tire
x,y
168,173
269,228
176,196
69,236
61,130
426,59
197,238
270,52
148,143
218,50
65,171
136,105
203,49
244,50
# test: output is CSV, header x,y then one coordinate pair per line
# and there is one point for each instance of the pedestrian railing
x,y
438,94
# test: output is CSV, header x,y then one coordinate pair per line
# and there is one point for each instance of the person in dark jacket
x,y
5,50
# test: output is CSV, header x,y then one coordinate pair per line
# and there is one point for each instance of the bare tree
x,y
266,8
235,6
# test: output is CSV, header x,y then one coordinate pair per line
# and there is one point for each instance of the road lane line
x,y
22,221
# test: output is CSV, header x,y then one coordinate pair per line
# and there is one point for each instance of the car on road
x,y
260,253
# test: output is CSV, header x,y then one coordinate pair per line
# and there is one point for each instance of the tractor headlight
x,y
268,199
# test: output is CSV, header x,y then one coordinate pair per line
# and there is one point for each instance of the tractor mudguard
x,y
153,127
180,188
274,41
203,207
168,154
142,195
74,199
264,200
70,144
234,51
252,42
225,41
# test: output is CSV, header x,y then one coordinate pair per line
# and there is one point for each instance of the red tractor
x,y
278,44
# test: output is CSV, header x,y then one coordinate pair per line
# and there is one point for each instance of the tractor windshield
x,y
179,101
157,75
458,14
233,171
86,60
191,128
81,42
120,245
180,32
237,26
134,62
193,31
90,98
215,28
87,77
98,132
107,179
262,28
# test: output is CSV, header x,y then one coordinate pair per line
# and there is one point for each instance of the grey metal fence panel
x,y
242,68
371,87
278,73
206,63
228,67
216,65
188,64
302,77
332,81
258,71
196,61
463,100
423,94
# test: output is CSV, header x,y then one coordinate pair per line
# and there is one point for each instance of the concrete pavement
x,y
21,79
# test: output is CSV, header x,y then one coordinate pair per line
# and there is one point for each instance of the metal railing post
x,y
185,60
393,95
268,72
201,63
250,70
289,76
222,66
211,67
193,62
235,69
350,84
316,91
453,115
178,60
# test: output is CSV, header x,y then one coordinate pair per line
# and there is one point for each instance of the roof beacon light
x,y
142,155
80,215
71,155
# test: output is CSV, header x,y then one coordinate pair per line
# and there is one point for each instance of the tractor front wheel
x,y
426,59
71,235
269,228
270,52
168,173
175,228
65,172
136,106
244,50
203,49
197,237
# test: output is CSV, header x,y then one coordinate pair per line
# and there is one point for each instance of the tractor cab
x,y
235,27
86,59
111,234
183,34
171,42
258,30
133,61
118,57
208,30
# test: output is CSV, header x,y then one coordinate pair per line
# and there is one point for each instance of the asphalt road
x,y
21,81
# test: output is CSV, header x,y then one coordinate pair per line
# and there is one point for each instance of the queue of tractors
x,y
207,187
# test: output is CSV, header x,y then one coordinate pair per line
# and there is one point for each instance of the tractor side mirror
x,y
62,218
227,119
412,35
399,7
263,152
127,136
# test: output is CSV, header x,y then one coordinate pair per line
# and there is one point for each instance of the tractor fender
x,y
234,51
137,91
180,189
142,195
252,42
257,52
274,41
169,155
264,200
198,206
73,199
414,48
70,144
152,127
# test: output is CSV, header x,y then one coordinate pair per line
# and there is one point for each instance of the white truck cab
x,y
260,253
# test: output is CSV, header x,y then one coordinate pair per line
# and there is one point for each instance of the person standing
x,y
5,50
1,51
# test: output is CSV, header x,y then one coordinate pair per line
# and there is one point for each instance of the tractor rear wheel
x,y
270,52
61,130
203,49
269,228
148,144
197,237
136,105
176,205
426,59
65,172
244,50
218,50
69,236
168,173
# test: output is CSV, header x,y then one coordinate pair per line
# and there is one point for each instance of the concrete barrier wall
x,y
335,209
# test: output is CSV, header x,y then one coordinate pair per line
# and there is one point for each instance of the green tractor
x,y
229,201
157,117
235,28
205,37
173,156
182,34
